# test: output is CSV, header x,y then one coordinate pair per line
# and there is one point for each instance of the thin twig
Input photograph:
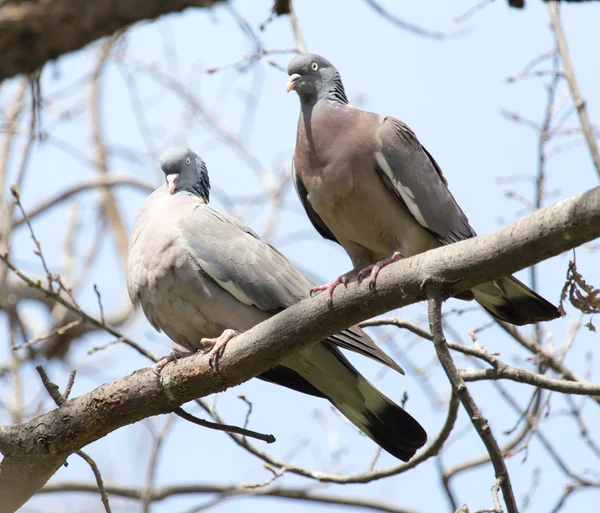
x,y
229,491
410,27
460,388
276,475
38,251
300,44
99,480
69,384
88,318
474,9
61,330
249,412
152,465
223,427
254,57
109,203
573,86
99,303
60,399
102,181
50,387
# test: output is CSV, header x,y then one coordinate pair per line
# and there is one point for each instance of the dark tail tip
x,y
509,300
395,431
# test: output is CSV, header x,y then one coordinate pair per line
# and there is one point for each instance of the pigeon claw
x,y
173,356
330,287
373,270
218,345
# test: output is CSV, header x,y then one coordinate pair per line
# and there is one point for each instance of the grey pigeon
x,y
367,183
203,276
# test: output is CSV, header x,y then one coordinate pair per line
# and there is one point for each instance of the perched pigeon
x,y
203,276
367,183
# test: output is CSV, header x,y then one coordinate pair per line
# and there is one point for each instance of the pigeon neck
x,y
202,187
331,91
201,191
335,92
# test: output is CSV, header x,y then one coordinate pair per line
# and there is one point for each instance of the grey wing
x,y
254,272
232,255
314,218
414,176
356,340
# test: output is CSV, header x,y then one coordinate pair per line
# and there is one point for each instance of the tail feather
x,y
384,422
509,300
378,417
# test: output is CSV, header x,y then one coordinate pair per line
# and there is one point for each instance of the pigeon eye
x,y
187,161
314,66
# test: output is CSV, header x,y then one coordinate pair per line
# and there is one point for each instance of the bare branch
x,y
102,181
531,378
411,27
99,480
224,427
579,102
38,250
109,204
159,494
460,389
300,44
152,466
453,268
56,331
26,43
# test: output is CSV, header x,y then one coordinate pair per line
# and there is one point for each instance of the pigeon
x,y
202,277
367,183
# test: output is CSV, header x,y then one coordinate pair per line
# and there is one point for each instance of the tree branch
x,y
460,389
26,42
33,451
563,50
99,182
224,491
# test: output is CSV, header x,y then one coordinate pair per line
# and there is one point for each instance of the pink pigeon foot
x,y
330,287
218,345
373,270
174,355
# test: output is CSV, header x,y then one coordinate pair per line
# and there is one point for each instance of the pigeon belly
x,y
367,219
337,166
191,306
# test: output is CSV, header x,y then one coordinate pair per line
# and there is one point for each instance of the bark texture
x,y
33,32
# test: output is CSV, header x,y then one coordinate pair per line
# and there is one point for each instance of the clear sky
x,y
452,93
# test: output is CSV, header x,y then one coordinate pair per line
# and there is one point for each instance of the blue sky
x,y
450,92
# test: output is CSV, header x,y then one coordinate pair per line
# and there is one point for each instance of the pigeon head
x,y
185,171
315,78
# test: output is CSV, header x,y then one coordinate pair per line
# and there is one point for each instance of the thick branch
x,y
34,450
36,31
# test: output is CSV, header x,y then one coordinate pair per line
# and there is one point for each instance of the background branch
x,y
48,442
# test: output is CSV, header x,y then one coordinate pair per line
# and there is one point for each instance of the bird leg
x,y
374,269
174,355
218,345
330,287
